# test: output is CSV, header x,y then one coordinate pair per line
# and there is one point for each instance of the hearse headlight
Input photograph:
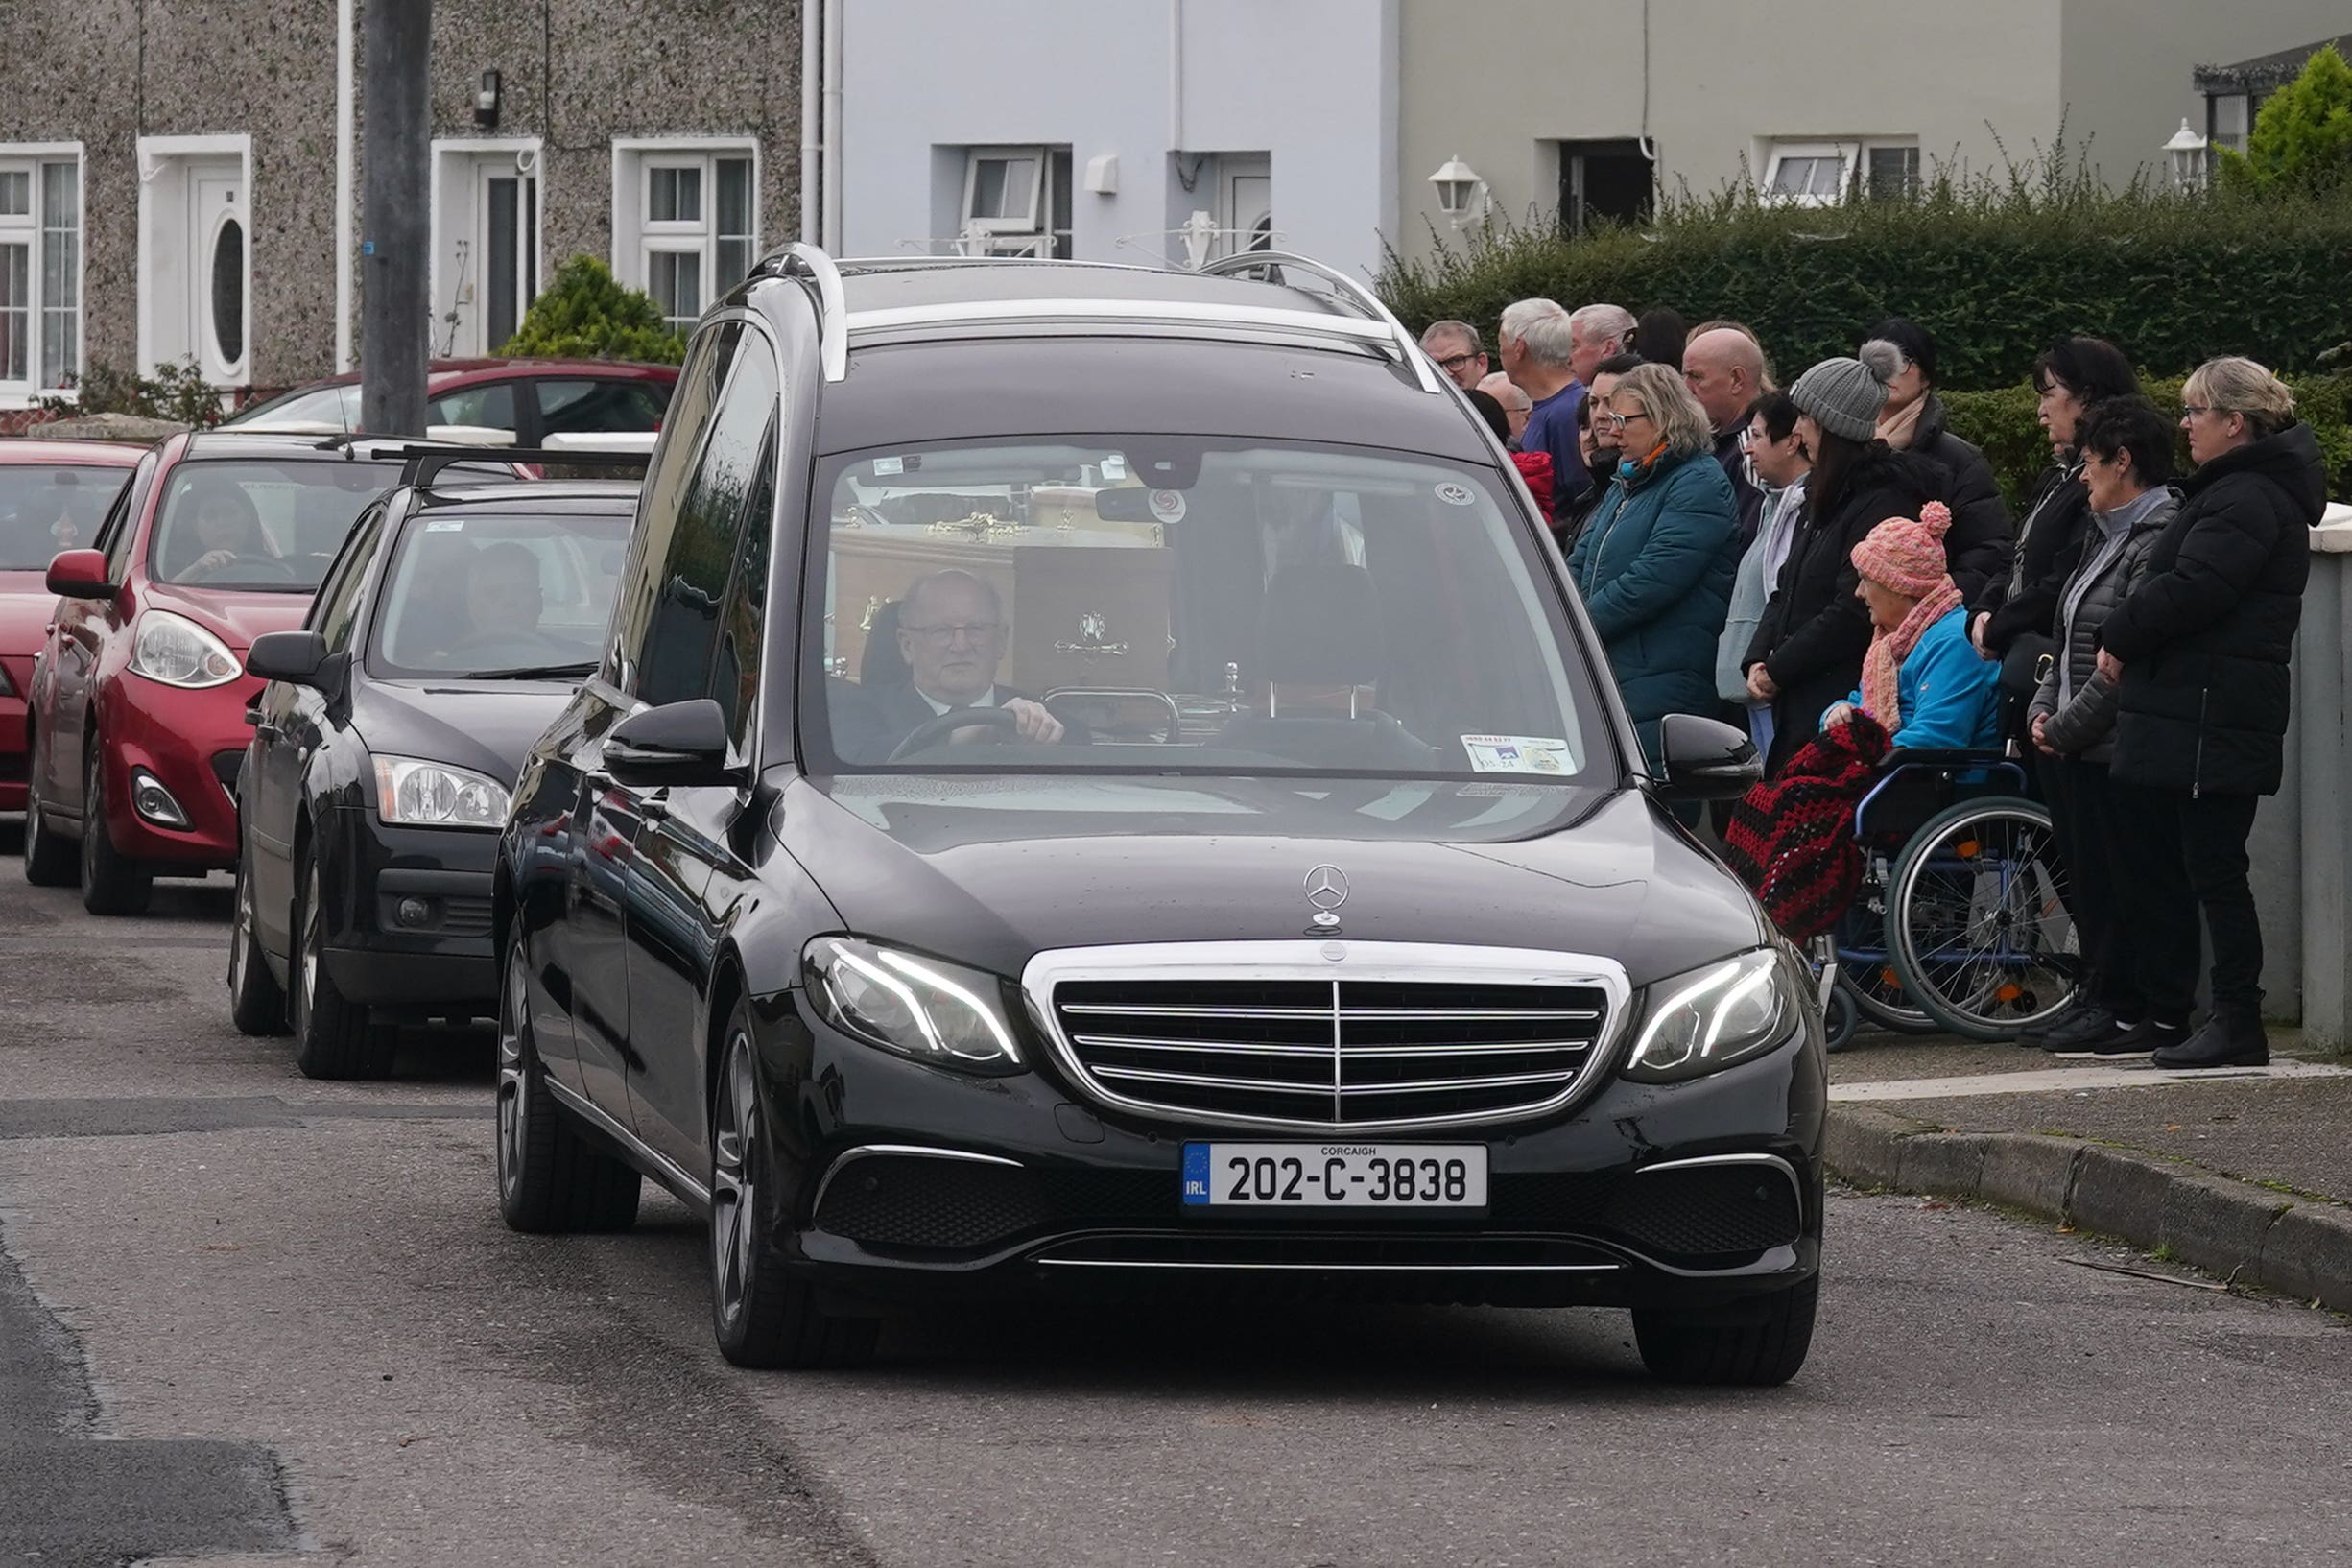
x,y
1708,1018
179,653
916,1007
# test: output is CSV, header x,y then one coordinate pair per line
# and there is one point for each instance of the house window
x,y
1016,203
688,217
1822,174
2229,118
1611,180
40,273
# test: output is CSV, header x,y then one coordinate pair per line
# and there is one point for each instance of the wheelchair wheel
x,y
1977,922
1839,1020
1865,969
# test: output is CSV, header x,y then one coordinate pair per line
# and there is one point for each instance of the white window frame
x,y
457,157
153,150
28,159
1031,236
636,239
1853,163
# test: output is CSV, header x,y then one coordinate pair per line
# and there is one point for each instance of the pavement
x,y
250,1320
2244,1173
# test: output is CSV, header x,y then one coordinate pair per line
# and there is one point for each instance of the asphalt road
x,y
244,1314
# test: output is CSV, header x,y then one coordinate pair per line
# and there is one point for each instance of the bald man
x,y
1725,368
1514,400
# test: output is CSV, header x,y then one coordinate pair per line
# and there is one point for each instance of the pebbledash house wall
x,y
574,74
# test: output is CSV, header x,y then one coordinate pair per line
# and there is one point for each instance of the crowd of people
x,y
1796,560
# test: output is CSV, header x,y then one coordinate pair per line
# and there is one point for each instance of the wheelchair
x,y
1963,921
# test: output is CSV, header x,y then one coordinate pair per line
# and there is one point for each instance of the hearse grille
x,y
1335,1054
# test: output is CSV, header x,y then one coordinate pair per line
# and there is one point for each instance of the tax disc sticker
x,y
1167,506
1518,754
453,526
890,465
1455,495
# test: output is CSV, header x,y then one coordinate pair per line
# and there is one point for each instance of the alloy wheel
x,y
513,1076
306,973
243,935
734,1195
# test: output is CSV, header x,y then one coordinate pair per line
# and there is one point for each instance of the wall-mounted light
x,y
2188,153
486,100
1459,188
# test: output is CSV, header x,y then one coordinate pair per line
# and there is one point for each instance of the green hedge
x,y
1996,274
2002,422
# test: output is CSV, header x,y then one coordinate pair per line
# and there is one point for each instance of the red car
x,y
139,699
53,495
535,398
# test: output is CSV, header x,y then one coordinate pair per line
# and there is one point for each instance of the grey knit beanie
x,y
1845,395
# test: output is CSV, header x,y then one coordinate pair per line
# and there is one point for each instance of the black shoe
x,y
2087,1028
2140,1038
2036,1033
2228,1039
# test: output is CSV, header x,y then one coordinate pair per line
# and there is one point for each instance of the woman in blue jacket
x,y
1655,563
1921,678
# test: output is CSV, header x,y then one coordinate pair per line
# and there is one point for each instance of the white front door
x,y
486,245
218,226
1245,192
196,275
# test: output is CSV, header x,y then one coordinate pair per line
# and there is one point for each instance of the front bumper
x,y
407,916
1690,1195
191,742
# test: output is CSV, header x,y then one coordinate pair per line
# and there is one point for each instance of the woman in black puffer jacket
x,y
1976,549
2200,652
1808,647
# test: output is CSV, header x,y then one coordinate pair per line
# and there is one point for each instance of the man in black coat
x,y
2201,651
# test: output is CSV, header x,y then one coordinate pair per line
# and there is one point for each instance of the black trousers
x,y
2188,852
2095,859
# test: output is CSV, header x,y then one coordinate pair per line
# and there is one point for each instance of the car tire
x,y
333,1037
1753,1351
551,1180
256,1001
112,882
761,1314
50,862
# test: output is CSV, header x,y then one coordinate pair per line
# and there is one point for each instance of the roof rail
x,y
801,259
1354,292
423,463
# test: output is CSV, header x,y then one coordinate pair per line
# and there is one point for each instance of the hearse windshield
x,y
1167,604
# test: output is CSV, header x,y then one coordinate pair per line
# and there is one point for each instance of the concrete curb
x,y
2298,1246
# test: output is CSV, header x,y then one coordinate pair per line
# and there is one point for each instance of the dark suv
x,y
1097,785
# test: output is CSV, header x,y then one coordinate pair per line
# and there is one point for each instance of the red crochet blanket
x,y
1791,838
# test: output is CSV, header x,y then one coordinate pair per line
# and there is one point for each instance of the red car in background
x,y
534,398
53,496
137,721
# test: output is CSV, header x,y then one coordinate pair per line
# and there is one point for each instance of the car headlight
x,y
1697,1022
179,653
916,1007
410,792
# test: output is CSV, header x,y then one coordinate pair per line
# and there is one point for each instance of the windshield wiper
x,y
534,672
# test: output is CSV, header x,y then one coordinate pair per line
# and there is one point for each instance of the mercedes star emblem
x,y
1327,890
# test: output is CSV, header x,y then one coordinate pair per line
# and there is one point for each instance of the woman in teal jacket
x,y
1655,564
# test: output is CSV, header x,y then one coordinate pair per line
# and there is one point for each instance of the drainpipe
x,y
346,121
811,88
832,180
1176,75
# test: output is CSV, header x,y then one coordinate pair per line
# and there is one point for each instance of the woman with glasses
x,y
2198,651
1807,653
1655,562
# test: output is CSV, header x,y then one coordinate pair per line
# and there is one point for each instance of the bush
x,y
177,392
2002,422
586,314
1996,271
2302,139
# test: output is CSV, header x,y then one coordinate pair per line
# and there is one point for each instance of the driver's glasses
x,y
945,637
1453,363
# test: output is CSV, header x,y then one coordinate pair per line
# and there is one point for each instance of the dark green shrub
x,y
2002,422
1995,270
2302,139
177,392
587,314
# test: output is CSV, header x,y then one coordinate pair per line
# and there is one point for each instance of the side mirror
x,y
80,573
1705,759
677,744
296,656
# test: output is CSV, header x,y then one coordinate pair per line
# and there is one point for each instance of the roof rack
x,y
1354,292
801,259
421,463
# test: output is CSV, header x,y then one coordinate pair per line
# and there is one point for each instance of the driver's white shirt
x,y
986,700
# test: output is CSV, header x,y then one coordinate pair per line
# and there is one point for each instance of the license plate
x,y
1390,1176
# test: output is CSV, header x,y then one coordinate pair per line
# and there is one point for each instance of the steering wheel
x,y
930,731
268,565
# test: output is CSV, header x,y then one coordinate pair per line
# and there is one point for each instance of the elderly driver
x,y
952,633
